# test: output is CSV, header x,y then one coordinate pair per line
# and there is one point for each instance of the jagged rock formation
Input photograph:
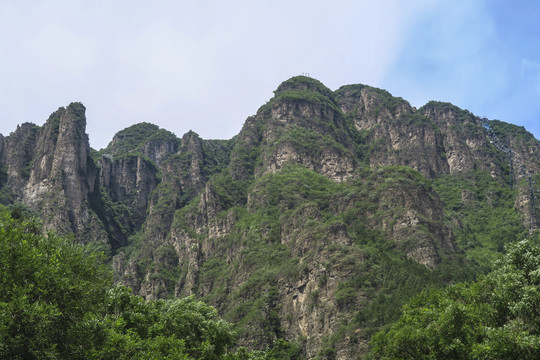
x,y
303,125
397,134
50,171
324,214
438,138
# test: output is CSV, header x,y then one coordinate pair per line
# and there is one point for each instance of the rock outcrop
x,y
303,125
50,171
327,210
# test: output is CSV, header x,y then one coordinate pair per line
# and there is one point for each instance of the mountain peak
x,y
302,85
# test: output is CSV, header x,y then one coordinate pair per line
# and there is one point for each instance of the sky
x,y
206,65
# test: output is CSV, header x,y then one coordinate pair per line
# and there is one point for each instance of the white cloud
x,y
207,65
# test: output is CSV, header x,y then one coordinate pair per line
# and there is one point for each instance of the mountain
x,y
314,224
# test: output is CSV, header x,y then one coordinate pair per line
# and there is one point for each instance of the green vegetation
x,y
462,116
28,146
117,218
229,192
57,301
305,83
254,305
216,155
54,123
134,137
482,211
296,204
47,286
505,131
305,95
77,109
353,90
185,175
383,99
302,89
416,120
309,142
310,134
222,226
244,158
6,194
496,317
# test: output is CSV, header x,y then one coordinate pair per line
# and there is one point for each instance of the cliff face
x,y
437,139
128,181
303,125
50,171
67,174
17,155
314,224
277,232
146,139
392,131
183,176
465,144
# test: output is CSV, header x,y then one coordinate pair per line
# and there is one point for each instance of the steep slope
x,y
314,224
283,239
17,155
128,174
391,131
466,146
146,139
437,139
440,139
522,152
50,171
303,124
183,175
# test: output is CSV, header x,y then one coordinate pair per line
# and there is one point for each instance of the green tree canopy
x,y
498,317
47,285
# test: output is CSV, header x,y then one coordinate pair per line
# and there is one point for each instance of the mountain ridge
x,y
326,212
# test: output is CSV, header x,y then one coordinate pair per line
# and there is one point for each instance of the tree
x,y
132,328
498,317
47,286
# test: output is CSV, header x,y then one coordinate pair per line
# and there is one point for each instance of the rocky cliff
x,y
314,224
50,171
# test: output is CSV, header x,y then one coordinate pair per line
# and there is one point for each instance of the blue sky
x,y
207,65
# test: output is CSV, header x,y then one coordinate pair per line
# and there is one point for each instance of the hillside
x,y
315,224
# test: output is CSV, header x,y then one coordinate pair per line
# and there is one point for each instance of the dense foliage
x,y
506,132
57,302
6,195
382,99
252,226
483,209
47,286
497,317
